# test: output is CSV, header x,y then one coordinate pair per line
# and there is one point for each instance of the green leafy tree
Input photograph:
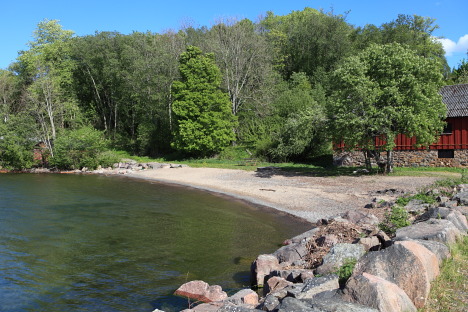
x,y
412,30
383,91
17,140
204,120
46,69
308,41
460,74
296,126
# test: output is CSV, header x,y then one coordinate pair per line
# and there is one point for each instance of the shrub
x,y
397,218
75,149
345,271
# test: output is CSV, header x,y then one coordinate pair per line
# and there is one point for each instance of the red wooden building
x,y
452,146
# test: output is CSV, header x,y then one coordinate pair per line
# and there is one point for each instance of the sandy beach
x,y
307,197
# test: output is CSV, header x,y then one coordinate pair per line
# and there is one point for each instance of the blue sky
x,y
19,18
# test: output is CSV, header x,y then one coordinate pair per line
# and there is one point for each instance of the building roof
x,y
456,99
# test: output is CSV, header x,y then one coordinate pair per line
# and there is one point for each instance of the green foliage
x,y
425,198
296,129
397,218
17,140
384,91
84,147
460,74
414,31
204,121
346,270
234,153
308,41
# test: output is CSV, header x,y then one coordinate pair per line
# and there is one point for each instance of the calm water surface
x,y
94,243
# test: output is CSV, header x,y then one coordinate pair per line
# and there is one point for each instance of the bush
x,y
84,147
345,271
397,218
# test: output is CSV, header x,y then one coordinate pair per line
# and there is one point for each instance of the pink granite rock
x,y
244,296
403,264
201,291
275,283
262,267
376,292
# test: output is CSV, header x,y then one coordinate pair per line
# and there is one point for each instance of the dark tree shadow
x,y
291,171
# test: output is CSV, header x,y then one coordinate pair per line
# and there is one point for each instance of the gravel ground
x,y
308,197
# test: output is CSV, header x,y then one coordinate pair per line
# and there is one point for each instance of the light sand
x,y
308,197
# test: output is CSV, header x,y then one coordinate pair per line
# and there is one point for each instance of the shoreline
x,y
250,201
308,198
304,196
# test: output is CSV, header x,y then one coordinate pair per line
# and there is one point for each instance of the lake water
x,y
95,243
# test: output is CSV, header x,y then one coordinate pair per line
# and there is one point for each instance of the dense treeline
x,y
266,86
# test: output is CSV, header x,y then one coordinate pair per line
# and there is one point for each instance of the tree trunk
x,y
389,166
367,160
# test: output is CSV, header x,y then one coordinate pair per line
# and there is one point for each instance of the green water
x,y
95,243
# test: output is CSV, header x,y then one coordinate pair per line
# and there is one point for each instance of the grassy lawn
x,y
449,292
238,162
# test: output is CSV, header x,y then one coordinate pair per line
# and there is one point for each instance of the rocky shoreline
x,y
305,274
388,274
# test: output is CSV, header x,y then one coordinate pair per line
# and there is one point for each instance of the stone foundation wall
x,y
415,158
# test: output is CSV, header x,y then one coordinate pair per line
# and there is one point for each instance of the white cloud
x,y
451,46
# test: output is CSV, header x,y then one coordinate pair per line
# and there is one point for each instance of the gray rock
x,y
369,242
301,238
433,229
462,209
337,256
358,217
317,285
436,213
294,290
442,199
236,308
294,276
337,305
270,303
244,296
290,304
449,204
291,253
458,219
416,206
462,197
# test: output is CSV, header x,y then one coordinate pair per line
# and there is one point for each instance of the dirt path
x,y
311,198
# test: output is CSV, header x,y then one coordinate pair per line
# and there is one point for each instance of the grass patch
x,y
449,292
